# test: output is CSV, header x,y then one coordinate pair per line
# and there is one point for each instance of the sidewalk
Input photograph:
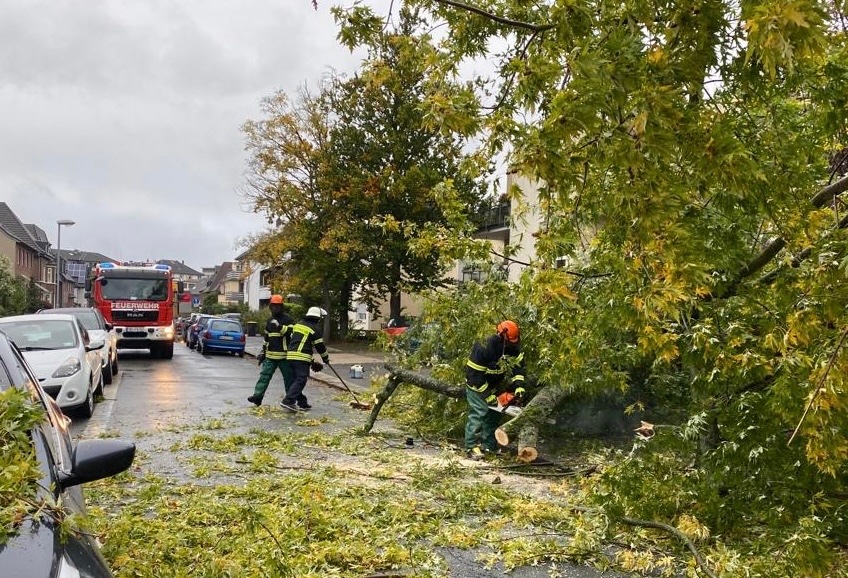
x,y
342,360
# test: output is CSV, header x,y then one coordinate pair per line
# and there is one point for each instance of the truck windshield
x,y
135,289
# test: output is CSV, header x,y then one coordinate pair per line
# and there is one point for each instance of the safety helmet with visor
x,y
316,312
276,299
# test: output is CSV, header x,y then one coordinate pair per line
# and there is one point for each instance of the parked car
x,y
191,333
63,356
40,548
222,335
98,328
397,325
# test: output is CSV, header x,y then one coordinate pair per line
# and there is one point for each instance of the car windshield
x,y
35,335
133,289
224,325
88,318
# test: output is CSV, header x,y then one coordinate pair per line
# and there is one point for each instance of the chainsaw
x,y
505,401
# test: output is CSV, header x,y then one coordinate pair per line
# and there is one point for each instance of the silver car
x,y
98,329
65,359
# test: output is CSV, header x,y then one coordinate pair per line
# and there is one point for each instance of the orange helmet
x,y
509,330
277,299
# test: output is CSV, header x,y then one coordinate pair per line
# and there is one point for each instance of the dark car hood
x,y
36,552
30,552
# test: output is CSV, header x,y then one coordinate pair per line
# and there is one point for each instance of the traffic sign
x,y
195,301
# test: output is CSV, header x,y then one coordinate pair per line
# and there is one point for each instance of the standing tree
x,y
286,181
13,294
387,158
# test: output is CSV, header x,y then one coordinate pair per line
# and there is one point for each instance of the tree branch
x,y
496,18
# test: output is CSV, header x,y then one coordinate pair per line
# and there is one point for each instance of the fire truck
x,y
139,301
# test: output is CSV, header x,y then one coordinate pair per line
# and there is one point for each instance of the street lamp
x,y
57,298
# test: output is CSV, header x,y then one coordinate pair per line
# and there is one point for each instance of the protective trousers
x,y
481,423
269,366
300,373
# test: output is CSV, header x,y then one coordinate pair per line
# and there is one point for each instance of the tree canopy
x,y
690,165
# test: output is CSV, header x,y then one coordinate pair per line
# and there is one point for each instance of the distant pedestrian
x,y
273,354
304,340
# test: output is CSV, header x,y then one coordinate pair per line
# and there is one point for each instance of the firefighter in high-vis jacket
x,y
495,367
273,354
305,339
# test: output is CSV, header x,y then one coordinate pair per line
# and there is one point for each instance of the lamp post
x,y
58,297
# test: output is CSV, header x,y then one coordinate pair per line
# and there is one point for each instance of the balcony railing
x,y
496,217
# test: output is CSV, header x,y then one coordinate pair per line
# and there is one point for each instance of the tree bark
x,y
425,382
381,398
399,375
534,414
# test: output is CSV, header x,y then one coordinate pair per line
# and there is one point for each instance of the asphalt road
x,y
155,402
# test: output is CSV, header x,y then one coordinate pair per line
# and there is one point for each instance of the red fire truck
x,y
139,301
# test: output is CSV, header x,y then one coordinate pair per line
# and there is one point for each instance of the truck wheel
x,y
167,351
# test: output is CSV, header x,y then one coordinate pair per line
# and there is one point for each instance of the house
x,y
27,249
76,265
191,279
226,282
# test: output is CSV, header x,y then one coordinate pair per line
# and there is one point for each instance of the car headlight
x,y
69,367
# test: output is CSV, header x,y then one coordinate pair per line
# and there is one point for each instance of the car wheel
x,y
241,353
99,389
107,374
115,365
87,409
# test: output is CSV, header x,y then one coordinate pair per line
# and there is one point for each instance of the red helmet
x,y
509,330
277,299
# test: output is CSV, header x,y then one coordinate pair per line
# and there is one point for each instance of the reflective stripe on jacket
x,y
486,367
302,339
275,336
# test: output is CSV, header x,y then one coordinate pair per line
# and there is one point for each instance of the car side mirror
x,y
97,459
94,345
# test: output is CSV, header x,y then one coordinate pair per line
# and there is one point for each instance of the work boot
x,y
475,454
290,406
255,399
304,406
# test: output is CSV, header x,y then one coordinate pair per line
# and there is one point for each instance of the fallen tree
x,y
526,424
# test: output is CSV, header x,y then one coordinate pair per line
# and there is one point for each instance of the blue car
x,y
222,335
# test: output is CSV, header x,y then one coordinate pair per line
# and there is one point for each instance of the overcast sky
x,y
125,115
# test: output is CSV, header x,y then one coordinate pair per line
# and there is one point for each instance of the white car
x,y
65,359
98,329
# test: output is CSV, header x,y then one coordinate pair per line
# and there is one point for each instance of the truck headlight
x,y
69,367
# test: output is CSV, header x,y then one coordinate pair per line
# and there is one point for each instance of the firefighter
x,y
485,376
304,339
273,354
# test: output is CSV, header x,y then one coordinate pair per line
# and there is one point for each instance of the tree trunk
x,y
394,304
381,398
397,376
526,425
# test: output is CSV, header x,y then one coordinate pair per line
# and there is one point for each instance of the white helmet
x,y
316,312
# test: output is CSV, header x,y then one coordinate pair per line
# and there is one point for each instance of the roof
x,y
219,276
84,256
12,225
178,267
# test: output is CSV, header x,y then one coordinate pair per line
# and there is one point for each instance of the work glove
x,y
492,399
316,366
260,358
519,392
